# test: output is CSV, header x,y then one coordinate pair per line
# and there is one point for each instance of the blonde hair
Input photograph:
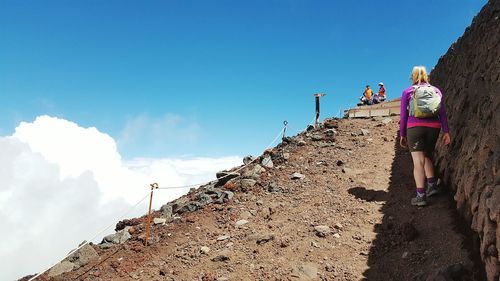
x,y
419,75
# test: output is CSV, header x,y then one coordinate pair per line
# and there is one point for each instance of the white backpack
x,y
424,102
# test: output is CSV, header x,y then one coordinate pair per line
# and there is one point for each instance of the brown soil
x,y
375,233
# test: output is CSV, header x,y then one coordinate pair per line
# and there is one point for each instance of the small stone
x,y
255,172
247,183
261,238
364,132
336,235
297,176
329,268
339,226
166,211
223,237
330,132
228,194
159,220
322,230
273,187
286,155
267,162
405,255
205,199
316,137
241,223
248,159
222,256
119,237
340,162
205,250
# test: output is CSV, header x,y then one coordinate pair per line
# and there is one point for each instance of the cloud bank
x,y
61,184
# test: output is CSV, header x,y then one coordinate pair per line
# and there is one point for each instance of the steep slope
x,y
348,218
469,75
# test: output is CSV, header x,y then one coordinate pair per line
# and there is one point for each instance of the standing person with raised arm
x,y
422,117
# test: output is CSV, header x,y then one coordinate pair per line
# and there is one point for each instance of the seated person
x,y
366,98
381,92
376,99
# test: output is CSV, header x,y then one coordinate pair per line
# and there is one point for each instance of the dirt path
x,y
358,189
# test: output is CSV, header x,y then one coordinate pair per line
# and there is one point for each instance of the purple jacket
x,y
406,121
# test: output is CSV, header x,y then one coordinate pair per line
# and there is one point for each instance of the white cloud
x,y
61,183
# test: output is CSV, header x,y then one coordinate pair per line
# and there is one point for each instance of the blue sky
x,y
209,78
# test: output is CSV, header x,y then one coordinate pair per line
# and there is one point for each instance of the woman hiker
x,y
419,130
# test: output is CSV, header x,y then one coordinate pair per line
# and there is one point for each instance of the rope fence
x,y
94,237
281,133
149,193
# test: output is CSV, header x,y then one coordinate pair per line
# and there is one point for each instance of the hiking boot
x,y
432,190
419,201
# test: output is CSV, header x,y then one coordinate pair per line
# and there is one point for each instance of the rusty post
x,y
317,96
153,186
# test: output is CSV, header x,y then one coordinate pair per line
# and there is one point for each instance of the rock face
x,y
469,76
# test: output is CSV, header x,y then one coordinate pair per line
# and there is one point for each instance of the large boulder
x,y
83,256
225,176
60,268
119,237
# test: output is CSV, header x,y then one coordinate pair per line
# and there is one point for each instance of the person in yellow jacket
x,y
367,96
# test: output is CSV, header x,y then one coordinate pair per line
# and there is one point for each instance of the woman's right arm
x,y
403,113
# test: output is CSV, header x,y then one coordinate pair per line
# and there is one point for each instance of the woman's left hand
x,y
446,138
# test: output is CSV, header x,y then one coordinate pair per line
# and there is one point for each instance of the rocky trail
x,y
329,204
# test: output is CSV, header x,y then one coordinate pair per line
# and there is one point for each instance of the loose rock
x,y
246,184
205,250
223,237
119,237
322,230
241,223
222,256
61,268
267,162
159,220
297,176
248,159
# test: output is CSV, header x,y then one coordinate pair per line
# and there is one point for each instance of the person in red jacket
x,y
381,92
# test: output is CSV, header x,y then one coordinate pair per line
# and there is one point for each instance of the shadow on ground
x,y
417,243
